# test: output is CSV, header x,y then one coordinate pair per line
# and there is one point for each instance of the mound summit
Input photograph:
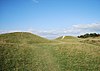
x,y
22,37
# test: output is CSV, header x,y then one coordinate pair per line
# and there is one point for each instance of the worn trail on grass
x,y
66,57
46,61
33,53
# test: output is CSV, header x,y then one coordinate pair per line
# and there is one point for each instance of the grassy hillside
x,y
21,37
64,55
65,37
68,39
91,40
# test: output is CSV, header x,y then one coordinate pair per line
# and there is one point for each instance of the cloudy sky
x,y
50,18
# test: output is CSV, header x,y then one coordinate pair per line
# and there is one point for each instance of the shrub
x,y
89,35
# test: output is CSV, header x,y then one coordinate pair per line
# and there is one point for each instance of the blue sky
x,y
48,16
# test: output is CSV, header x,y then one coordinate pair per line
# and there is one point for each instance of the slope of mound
x,y
93,41
46,57
68,39
65,37
21,37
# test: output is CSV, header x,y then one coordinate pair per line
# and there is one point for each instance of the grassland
x,y
28,52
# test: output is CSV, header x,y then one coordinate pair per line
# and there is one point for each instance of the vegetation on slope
x,y
89,35
91,38
65,37
21,37
68,39
93,41
48,57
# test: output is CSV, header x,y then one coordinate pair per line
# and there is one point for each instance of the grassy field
x,y
28,52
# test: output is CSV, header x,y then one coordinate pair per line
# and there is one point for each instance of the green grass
x,y
56,55
93,41
22,37
66,37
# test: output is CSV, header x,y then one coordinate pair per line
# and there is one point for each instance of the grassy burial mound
x,y
17,51
27,52
68,39
65,37
22,37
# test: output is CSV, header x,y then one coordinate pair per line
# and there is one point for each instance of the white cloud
x,y
9,31
75,30
86,28
93,26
